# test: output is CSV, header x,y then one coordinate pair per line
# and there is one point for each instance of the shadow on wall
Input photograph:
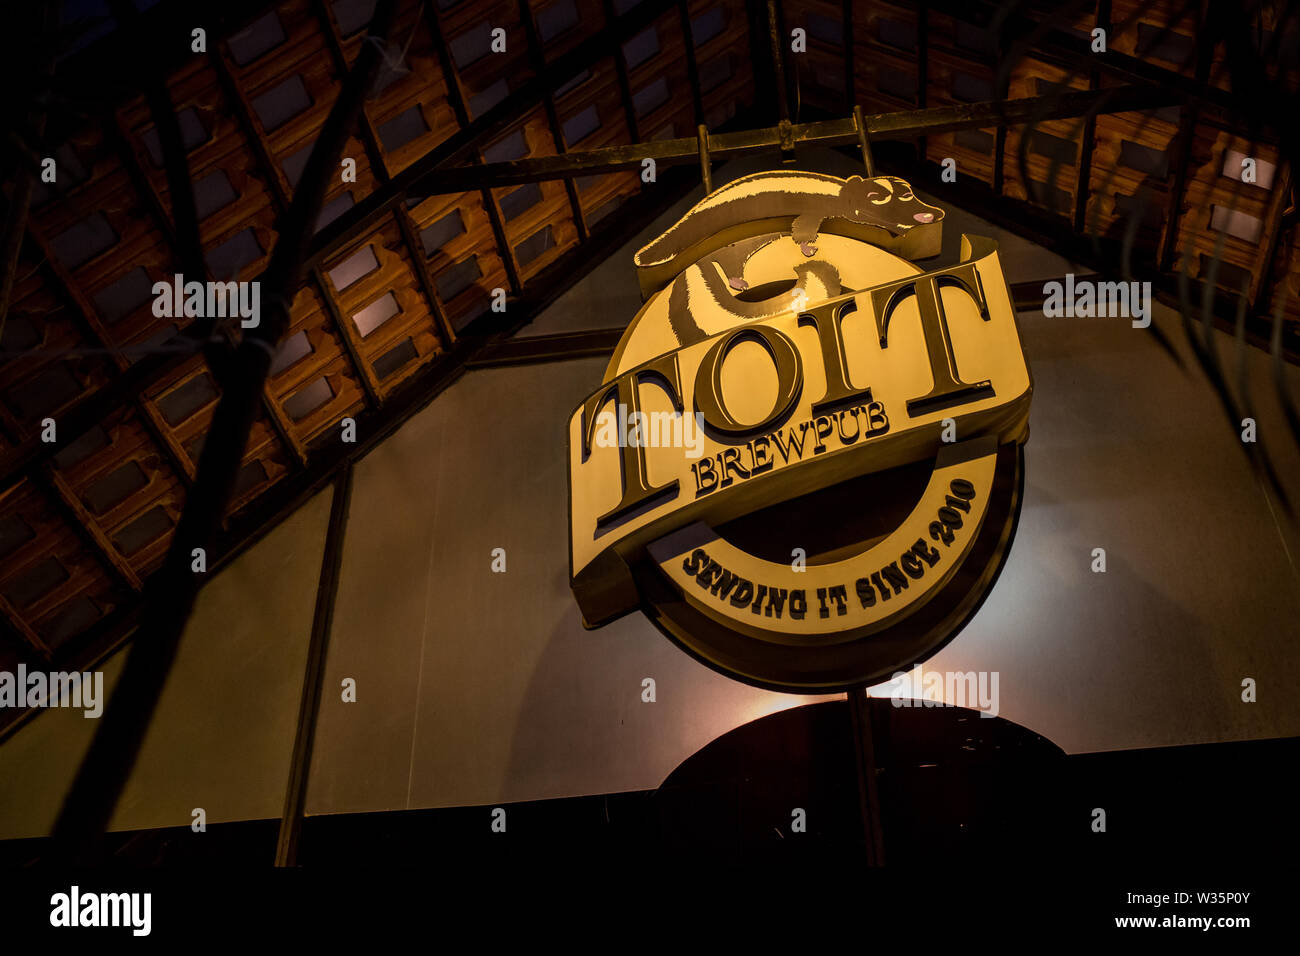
x,y
785,787
963,795
586,722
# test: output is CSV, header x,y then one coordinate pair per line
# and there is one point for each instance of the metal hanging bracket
x,y
706,165
860,124
785,130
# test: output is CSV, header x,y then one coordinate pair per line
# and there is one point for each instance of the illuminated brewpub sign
x,y
805,461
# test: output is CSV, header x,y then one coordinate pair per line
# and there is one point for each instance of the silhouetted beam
x,y
838,132
624,84
922,68
1083,184
692,65
23,171
1028,296
121,390
593,343
864,750
1273,229
148,417
776,38
172,591
1182,145
154,44
183,228
846,38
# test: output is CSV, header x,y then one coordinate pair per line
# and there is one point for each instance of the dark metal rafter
x,y
692,66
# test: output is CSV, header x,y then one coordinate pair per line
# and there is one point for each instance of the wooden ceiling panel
x,y
114,482
563,24
385,306
541,228
312,350
49,573
486,77
1130,176
408,108
58,366
457,239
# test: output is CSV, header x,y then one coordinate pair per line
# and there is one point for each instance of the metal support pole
x,y
864,746
295,797
860,124
778,61
706,168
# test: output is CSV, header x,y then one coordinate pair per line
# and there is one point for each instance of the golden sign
x,y
804,463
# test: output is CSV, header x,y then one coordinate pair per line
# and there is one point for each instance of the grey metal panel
x,y
482,687
362,754
1130,453
223,732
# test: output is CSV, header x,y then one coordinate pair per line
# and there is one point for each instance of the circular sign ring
x,y
864,657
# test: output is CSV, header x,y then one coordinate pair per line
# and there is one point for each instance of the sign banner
x,y
782,364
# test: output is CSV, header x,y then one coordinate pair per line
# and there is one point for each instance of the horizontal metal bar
x,y
592,343
548,348
1029,295
441,181
906,124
